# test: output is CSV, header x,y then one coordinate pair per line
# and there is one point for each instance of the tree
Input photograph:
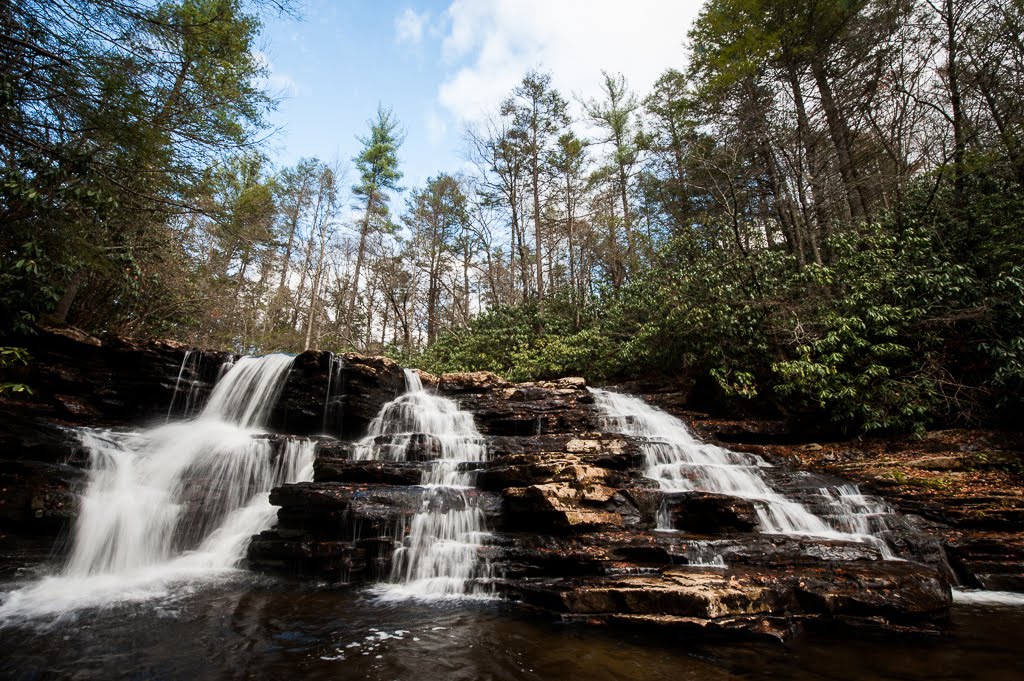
x,y
537,113
377,165
615,114
569,161
111,112
498,155
294,194
436,216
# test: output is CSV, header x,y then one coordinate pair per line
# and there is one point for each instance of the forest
x,y
823,214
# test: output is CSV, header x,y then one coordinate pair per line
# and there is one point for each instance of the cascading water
x,y
680,463
337,363
439,555
177,502
185,400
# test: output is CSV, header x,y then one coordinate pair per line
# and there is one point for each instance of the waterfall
x,y
679,462
439,555
187,386
248,391
337,363
176,502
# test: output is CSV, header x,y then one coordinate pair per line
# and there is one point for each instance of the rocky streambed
x,y
575,529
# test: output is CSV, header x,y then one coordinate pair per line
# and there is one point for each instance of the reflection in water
x,y
267,629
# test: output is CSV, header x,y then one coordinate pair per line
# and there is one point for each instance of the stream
x,y
252,627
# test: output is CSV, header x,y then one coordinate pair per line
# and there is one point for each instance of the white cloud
x,y
437,128
490,44
409,27
276,83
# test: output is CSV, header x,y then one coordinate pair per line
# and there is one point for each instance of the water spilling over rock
x,y
682,464
176,502
439,555
563,516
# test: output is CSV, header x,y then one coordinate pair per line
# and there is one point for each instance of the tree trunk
x,y
841,140
809,146
955,100
535,170
360,254
570,217
59,316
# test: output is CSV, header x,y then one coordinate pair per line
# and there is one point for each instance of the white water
x,y
175,503
439,555
679,462
187,386
996,598
337,363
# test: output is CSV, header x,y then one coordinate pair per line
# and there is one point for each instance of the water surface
x,y
261,628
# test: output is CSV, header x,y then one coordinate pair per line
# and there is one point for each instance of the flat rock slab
x,y
349,510
903,595
377,472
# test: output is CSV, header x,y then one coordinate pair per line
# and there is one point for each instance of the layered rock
x,y
572,518
570,514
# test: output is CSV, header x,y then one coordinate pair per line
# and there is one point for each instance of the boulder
x,y
706,513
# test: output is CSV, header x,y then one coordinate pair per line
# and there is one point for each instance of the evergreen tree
x,y
377,165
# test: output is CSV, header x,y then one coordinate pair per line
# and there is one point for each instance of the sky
x,y
443,65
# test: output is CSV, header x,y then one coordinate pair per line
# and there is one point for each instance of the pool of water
x,y
260,628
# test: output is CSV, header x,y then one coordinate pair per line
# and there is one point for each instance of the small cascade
x,y
439,556
703,554
680,463
850,510
224,368
187,387
248,392
329,426
176,502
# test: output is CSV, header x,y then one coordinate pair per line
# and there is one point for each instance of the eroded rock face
x,y
570,514
706,513
757,602
80,380
335,394
572,531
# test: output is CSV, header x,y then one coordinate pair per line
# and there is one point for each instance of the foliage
x,y
10,356
822,215
504,340
110,113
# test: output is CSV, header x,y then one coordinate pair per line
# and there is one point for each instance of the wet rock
x,y
38,497
560,506
81,380
753,627
706,513
275,552
349,510
899,592
888,595
988,560
375,472
335,395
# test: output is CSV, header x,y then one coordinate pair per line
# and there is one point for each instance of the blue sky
x,y
442,65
